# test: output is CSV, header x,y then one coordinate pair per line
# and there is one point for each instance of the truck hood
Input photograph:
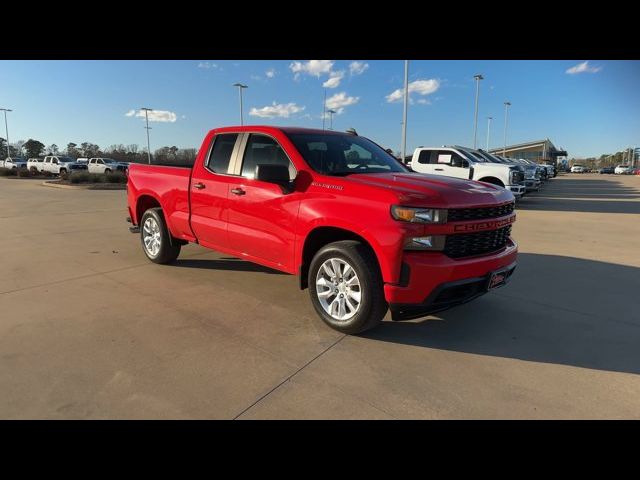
x,y
423,190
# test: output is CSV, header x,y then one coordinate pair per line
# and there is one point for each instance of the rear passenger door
x,y
261,215
209,191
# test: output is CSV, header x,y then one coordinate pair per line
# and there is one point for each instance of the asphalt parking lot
x,y
90,329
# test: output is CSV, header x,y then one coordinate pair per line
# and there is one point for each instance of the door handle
x,y
439,169
199,185
238,191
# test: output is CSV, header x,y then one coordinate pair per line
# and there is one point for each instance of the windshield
x,y
473,155
108,160
339,155
490,157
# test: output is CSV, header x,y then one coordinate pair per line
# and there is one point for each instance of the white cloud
x,y
312,67
154,115
420,87
583,67
339,101
282,110
270,73
424,101
334,79
207,65
357,68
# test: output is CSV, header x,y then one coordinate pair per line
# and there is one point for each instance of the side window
x,y
221,152
100,162
442,157
458,161
424,156
264,150
54,160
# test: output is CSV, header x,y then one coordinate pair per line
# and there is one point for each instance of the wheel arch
x,y
492,180
321,236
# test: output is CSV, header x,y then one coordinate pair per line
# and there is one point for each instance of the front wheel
x,y
155,238
346,289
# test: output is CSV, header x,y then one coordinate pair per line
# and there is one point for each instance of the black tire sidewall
x,y
351,253
167,252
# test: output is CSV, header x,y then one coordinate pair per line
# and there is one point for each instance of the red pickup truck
x,y
363,232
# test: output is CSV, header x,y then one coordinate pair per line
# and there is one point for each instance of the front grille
x,y
468,244
463,214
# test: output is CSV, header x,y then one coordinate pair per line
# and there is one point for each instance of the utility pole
x,y
324,108
506,118
488,130
146,116
404,113
331,112
240,88
475,115
6,127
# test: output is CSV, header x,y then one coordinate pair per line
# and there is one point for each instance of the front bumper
x,y
424,272
517,190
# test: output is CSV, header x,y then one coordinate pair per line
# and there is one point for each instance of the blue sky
x,y
593,110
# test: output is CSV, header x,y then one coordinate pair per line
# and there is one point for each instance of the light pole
x,y
506,117
240,88
6,127
331,112
404,112
488,130
324,108
475,115
146,116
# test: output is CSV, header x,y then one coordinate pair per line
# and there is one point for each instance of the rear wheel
x,y
156,239
345,285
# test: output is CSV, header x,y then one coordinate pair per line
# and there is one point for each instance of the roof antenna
x,y
352,131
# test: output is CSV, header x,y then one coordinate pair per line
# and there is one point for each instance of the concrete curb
x,y
90,186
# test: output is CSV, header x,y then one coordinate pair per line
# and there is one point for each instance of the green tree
x,y
53,149
33,148
72,151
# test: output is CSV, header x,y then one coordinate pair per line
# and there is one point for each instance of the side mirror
x,y
271,173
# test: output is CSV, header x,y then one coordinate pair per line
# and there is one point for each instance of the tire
x,y
107,170
161,249
372,306
62,172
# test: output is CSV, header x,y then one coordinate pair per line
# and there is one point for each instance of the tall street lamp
x,y
331,112
475,115
404,110
240,88
488,130
6,127
506,118
146,116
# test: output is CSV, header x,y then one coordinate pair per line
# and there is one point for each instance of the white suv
x,y
622,170
462,162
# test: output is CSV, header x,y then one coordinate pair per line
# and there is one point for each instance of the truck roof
x,y
245,128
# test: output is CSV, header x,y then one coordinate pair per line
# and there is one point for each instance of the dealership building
x,y
539,151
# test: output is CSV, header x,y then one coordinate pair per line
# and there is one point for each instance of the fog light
x,y
432,242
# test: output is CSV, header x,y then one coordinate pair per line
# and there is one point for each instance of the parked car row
x,y
63,165
618,170
516,175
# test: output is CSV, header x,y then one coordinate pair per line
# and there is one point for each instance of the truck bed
x,y
170,186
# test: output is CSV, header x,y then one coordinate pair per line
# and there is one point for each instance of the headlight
x,y
418,215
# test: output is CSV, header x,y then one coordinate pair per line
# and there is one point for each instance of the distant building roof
x,y
551,148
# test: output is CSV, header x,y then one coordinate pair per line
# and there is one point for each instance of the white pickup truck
x,y
105,165
462,162
58,164
35,165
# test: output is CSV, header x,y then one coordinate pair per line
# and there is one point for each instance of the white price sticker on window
x,y
444,158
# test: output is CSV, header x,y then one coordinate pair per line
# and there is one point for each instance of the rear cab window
x,y
221,151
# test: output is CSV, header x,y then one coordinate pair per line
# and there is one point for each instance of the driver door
x,y
261,215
